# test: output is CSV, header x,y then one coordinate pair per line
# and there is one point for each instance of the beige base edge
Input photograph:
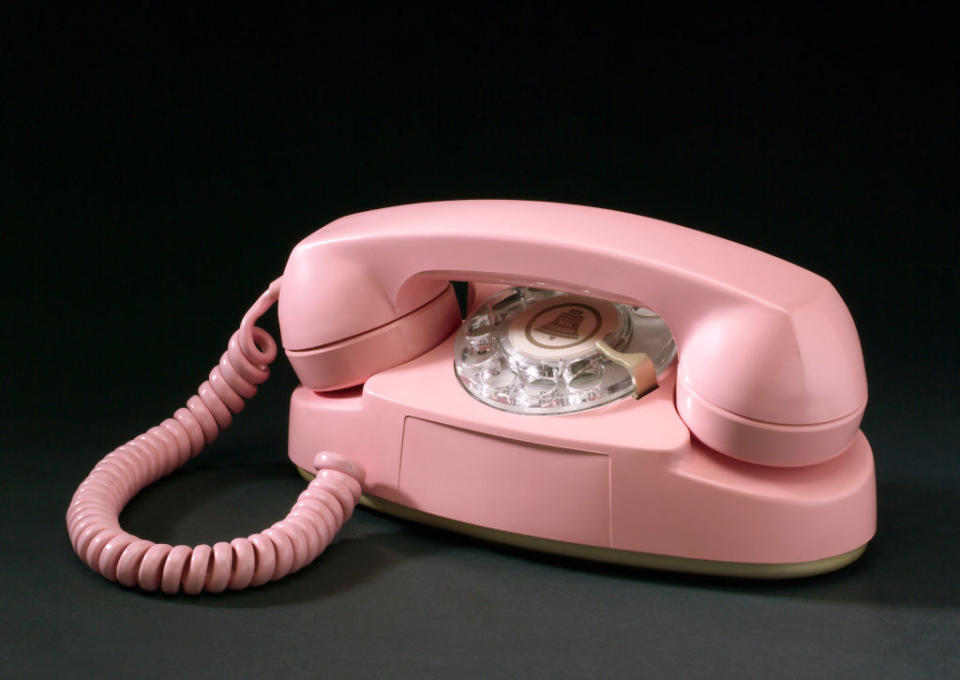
x,y
611,555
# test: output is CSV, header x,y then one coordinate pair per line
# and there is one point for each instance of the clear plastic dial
x,y
534,351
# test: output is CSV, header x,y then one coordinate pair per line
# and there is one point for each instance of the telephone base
x,y
611,555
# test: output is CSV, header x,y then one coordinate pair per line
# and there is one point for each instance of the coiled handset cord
x,y
93,518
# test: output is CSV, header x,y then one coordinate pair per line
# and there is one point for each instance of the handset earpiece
x,y
337,329
757,384
350,361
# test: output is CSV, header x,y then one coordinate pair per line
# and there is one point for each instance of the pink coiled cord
x,y
93,518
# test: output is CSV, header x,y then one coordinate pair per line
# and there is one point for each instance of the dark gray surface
x,y
391,598
158,164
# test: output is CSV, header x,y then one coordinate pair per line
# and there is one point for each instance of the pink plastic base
x,y
626,476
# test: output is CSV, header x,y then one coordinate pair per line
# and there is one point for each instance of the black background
x,y
160,163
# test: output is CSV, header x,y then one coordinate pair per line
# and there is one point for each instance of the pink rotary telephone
x,y
622,389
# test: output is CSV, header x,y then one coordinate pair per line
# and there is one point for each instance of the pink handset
x,y
622,389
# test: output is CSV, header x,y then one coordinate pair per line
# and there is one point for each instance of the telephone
x,y
621,389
